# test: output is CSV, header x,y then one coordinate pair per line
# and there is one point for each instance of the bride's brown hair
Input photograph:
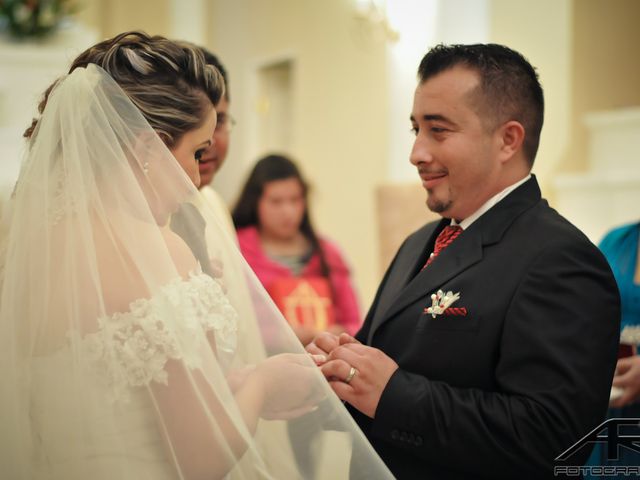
x,y
169,81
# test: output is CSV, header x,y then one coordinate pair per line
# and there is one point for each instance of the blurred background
x,y
331,83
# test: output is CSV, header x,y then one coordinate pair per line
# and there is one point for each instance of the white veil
x,y
119,357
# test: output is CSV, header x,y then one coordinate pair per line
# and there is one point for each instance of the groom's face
x,y
454,151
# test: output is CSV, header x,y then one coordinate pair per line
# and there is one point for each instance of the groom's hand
x,y
365,385
323,344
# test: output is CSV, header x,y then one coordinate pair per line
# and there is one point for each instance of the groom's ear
x,y
510,138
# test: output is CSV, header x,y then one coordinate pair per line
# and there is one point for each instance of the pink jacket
x,y
267,270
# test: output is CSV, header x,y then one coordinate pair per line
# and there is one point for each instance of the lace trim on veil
x,y
131,349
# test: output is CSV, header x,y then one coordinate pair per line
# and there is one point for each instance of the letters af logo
x,y
615,435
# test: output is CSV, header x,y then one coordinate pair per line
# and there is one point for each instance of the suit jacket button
x,y
418,441
394,434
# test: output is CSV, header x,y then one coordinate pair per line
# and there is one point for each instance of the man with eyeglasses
x,y
188,221
213,157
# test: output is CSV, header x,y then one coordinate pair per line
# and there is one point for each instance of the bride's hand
x,y
237,377
292,385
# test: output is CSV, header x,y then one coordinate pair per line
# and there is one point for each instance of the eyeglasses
x,y
225,123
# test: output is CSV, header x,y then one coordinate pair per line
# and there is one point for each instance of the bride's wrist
x,y
257,385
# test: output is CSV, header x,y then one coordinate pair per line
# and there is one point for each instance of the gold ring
x,y
352,373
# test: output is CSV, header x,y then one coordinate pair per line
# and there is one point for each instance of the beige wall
x,y
339,112
583,49
606,65
110,17
545,39
587,58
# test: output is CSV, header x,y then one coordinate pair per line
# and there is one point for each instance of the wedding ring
x,y
352,373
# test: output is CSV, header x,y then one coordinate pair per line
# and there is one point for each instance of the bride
x,y
120,357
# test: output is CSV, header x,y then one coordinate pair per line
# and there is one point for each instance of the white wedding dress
x,y
142,344
119,359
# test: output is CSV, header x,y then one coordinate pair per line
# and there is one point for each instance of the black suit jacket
x,y
503,390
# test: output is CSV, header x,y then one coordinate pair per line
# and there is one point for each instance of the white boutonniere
x,y
440,301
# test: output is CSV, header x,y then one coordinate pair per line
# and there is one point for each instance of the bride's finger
x,y
346,338
319,359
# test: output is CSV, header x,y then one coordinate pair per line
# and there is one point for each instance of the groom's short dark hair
x,y
509,86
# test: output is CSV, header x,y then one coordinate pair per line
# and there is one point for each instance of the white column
x,y
188,20
27,68
607,194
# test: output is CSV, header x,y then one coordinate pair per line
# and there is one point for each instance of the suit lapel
x,y
464,252
410,259
460,255
403,289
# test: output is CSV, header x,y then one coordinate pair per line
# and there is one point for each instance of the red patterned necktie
x,y
444,239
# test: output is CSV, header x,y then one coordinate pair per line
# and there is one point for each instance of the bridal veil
x,y
123,354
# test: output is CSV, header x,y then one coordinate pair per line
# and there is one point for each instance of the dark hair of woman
x,y
269,169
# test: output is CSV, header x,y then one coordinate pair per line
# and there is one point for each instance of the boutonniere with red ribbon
x,y
441,304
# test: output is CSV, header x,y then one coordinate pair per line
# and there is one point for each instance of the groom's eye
x,y
198,155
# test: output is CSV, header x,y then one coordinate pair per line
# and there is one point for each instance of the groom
x,y
491,343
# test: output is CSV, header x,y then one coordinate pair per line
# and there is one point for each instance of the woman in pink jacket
x,y
306,275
